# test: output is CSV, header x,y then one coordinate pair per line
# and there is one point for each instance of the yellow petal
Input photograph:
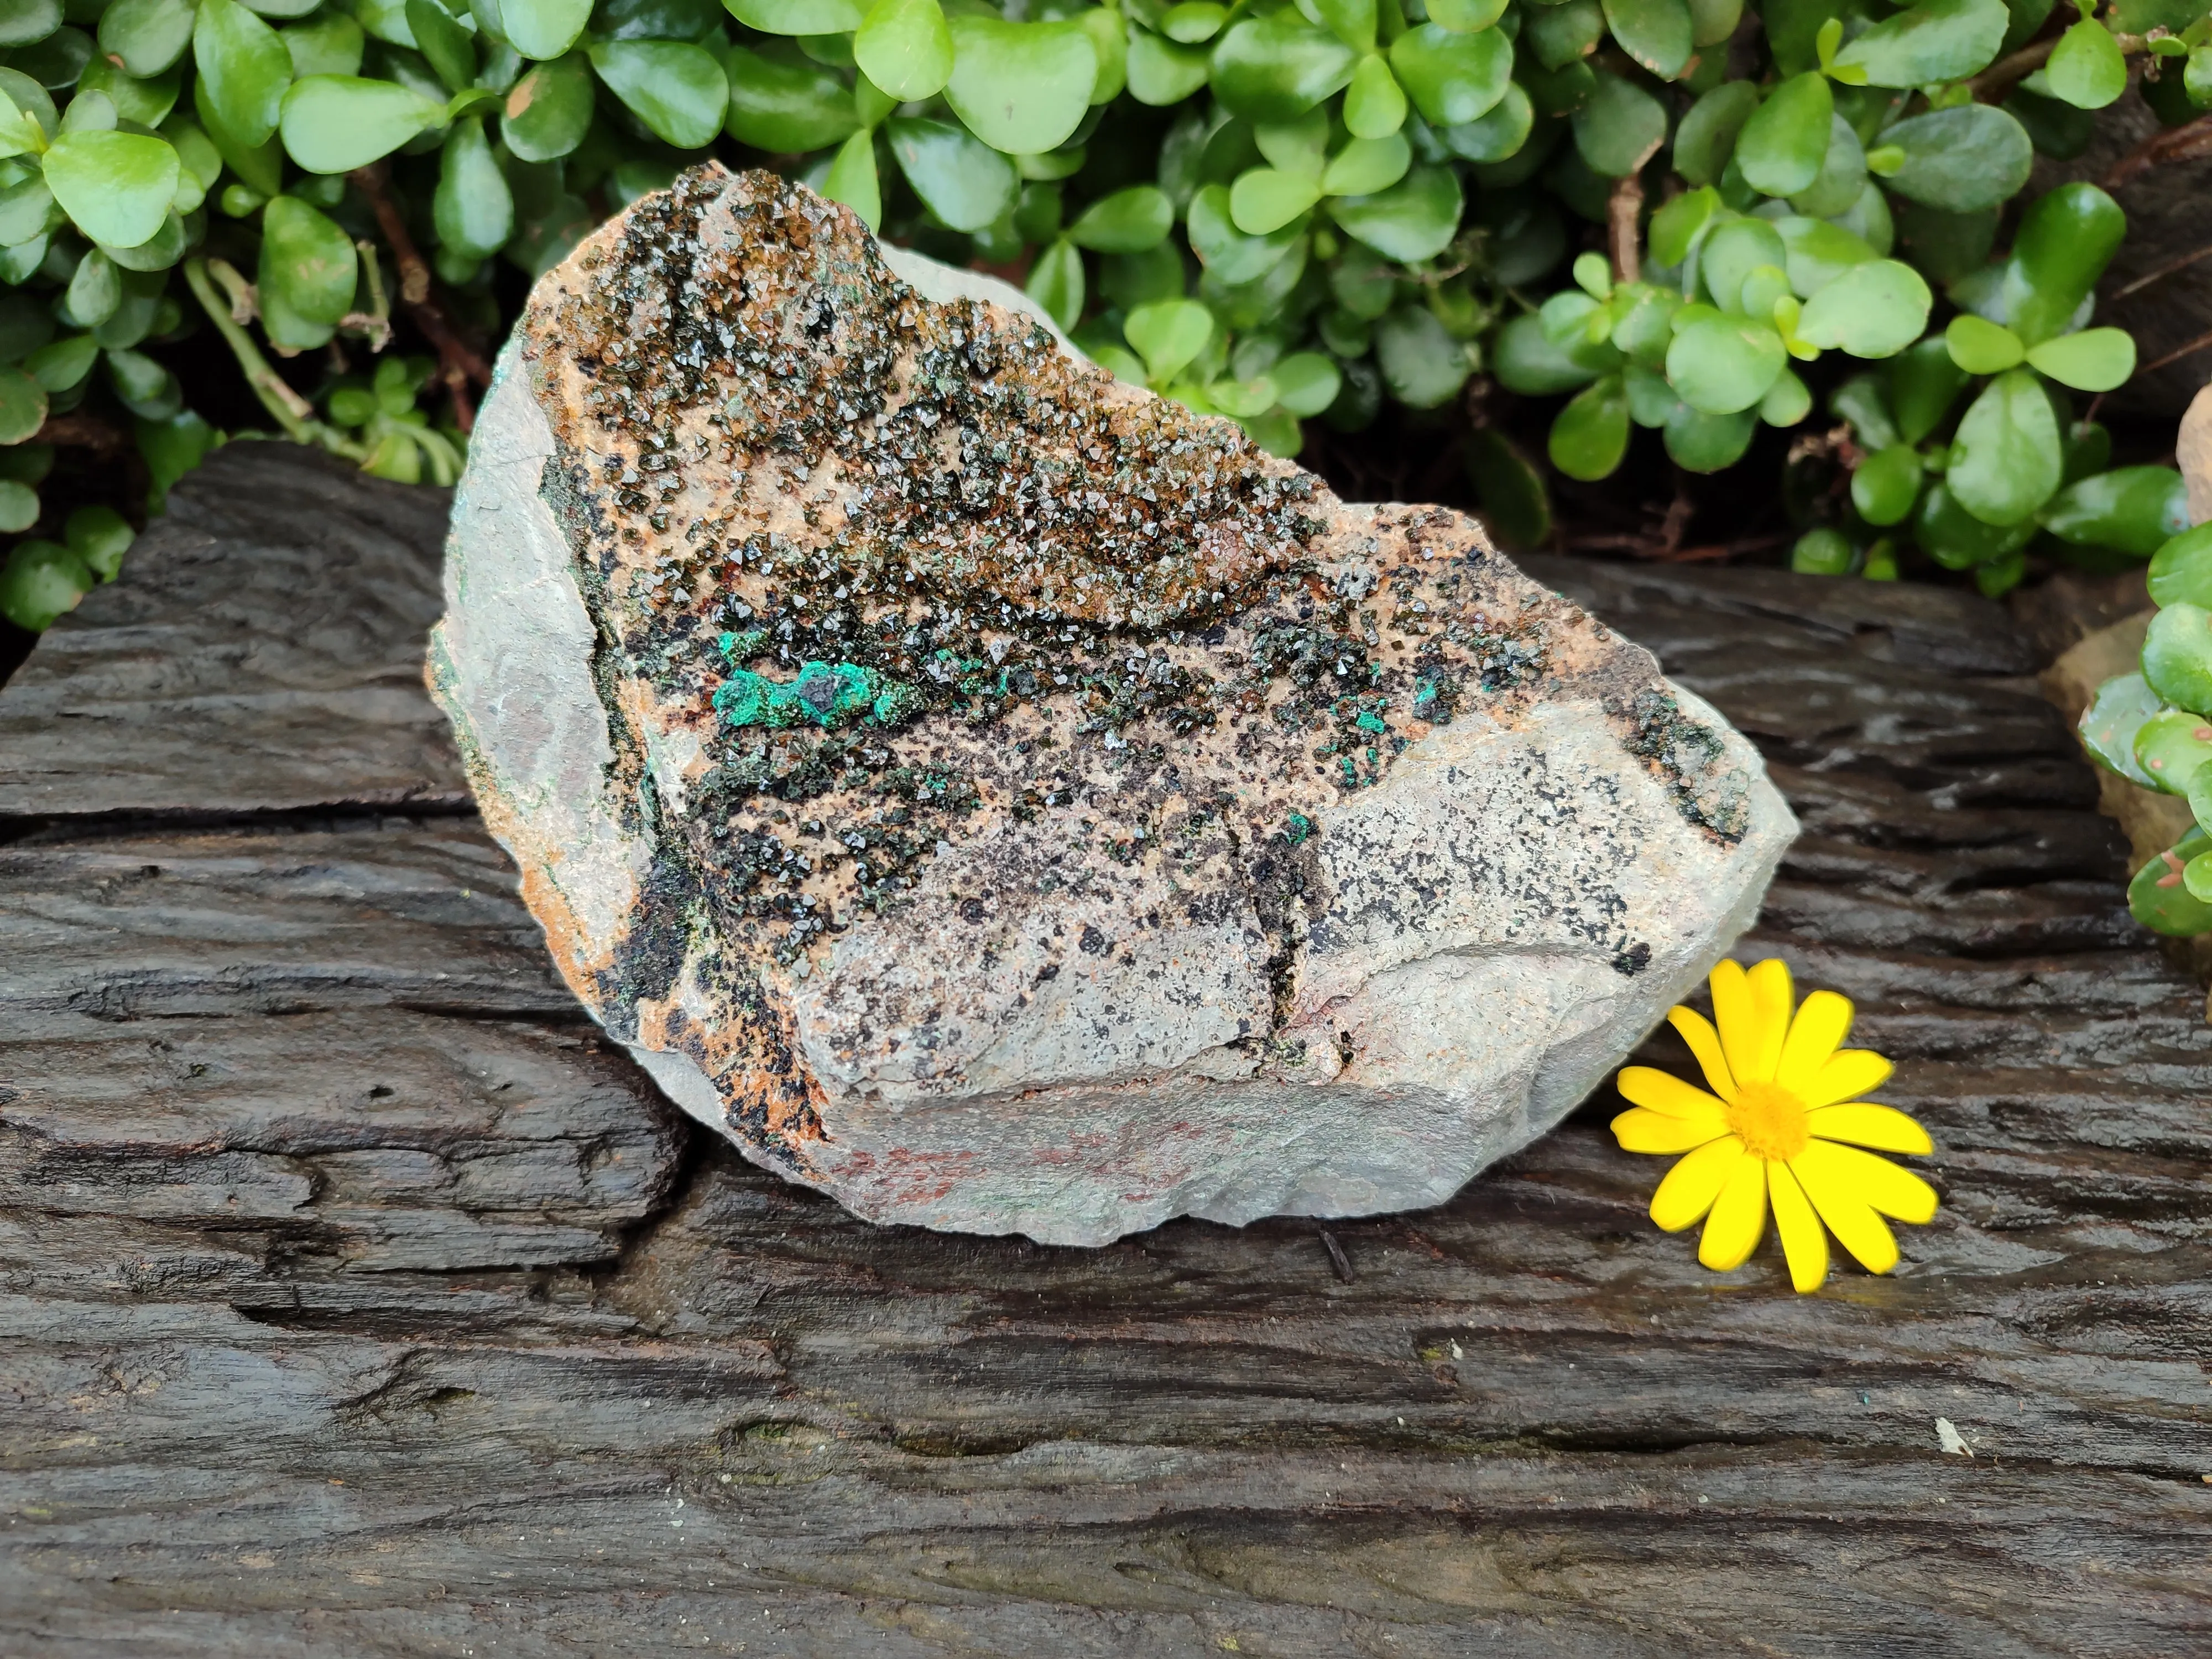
x,y
1816,1033
1737,1016
1691,1185
1851,1073
1870,1180
1705,1043
1770,1000
1738,1217
1643,1130
1848,1215
1803,1241
1663,1091
1865,1124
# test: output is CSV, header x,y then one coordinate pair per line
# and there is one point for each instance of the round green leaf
x,y
101,536
1422,364
786,106
1276,67
26,23
145,103
1589,436
1168,335
1414,220
1698,442
1021,88
2140,510
1956,539
1564,33
1161,72
2086,69
2109,724
336,122
1787,402
1525,360
549,110
1466,16
2159,896
1961,160
1842,176
678,90
1731,252
852,181
1496,137
1620,128
1265,200
306,275
22,404
1366,166
2094,360
905,48
245,66
1656,33
2066,238
1823,553
440,38
1980,347
1453,78
544,28
1819,252
1707,135
145,36
1374,103
1935,41
1516,508
1351,22
1872,310
1783,143
41,581
1229,255
1886,485
799,17
19,507
1723,364
961,179
1922,385
1132,221
473,209
1193,21
2006,462
116,186
2169,746
1306,382
1055,282
2177,661
2182,568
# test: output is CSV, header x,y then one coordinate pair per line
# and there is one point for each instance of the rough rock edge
x,y
544,806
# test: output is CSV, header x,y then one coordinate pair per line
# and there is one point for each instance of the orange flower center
x,y
1769,1120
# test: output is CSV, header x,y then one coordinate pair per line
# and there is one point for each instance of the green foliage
x,y
1276,211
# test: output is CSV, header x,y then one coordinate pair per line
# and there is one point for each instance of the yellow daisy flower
x,y
1784,1125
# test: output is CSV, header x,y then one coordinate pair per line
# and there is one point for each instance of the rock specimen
x,y
1010,802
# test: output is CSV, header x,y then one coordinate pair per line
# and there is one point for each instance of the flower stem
x,y
287,407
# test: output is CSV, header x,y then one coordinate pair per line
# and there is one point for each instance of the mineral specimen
x,y
1013,802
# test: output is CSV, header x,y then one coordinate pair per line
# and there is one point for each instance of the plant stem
x,y
287,407
1622,210
458,364
2186,142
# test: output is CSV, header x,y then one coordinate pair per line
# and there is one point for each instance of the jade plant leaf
x,y
2093,360
544,28
472,209
1886,485
549,110
1589,436
1961,160
1656,33
801,17
1452,78
1720,364
960,179
1937,40
905,48
1168,335
1266,198
2177,660
1132,221
115,186
2086,69
786,107
1620,128
1374,102
336,122
244,67
1699,441
1871,310
1414,219
1277,67
2109,726
2140,510
308,273
2006,462
676,89
1782,146
1021,88
2066,238
1707,135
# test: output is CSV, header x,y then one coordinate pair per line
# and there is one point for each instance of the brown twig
x,y
2160,274
1991,85
459,363
2174,356
81,432
2187,143
1623,209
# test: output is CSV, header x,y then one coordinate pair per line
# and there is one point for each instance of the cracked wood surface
x,y
355,1299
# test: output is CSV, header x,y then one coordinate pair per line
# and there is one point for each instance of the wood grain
x,y
355,1300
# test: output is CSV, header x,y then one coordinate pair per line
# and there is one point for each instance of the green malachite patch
x,y
824,694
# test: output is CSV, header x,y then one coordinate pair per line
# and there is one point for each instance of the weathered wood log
x,y
354,1300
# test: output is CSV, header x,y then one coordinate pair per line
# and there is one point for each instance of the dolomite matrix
x,y
1012,803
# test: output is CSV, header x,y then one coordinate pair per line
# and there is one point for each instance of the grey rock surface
x,y
1012,803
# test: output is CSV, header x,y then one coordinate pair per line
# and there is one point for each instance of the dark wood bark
x,y
354,1299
